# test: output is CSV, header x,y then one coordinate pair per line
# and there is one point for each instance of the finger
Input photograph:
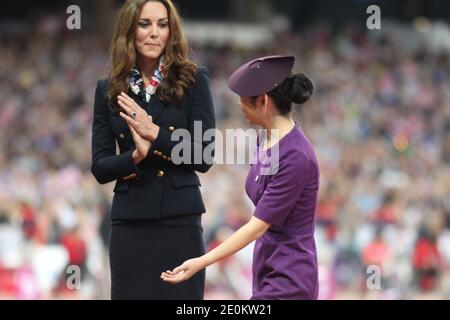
x,y
173,280
128,106
128,119
130,101
166,277
123,99
123,94
133,131
125,106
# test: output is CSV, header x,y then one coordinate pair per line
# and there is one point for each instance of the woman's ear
x,y
265,102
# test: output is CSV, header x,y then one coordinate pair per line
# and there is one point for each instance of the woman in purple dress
x,y
285,258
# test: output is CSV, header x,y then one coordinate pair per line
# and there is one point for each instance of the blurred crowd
x,y
379,120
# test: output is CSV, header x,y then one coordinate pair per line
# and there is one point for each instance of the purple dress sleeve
x,y
284,188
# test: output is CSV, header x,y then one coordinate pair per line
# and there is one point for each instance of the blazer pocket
x,y
121,186
183,178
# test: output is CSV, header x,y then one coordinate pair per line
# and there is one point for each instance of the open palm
x,y
183,272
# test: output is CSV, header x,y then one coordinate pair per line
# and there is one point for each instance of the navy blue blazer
x,y
156,187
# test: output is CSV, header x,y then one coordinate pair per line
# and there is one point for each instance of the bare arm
x,y
249,232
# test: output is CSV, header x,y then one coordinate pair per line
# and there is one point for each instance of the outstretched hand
x,y
183,272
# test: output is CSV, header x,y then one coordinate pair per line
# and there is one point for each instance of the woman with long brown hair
x,y
153,88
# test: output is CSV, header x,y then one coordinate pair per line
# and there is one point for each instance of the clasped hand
x,y
143,130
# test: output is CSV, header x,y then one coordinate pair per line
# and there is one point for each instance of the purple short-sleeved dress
x,y
284,258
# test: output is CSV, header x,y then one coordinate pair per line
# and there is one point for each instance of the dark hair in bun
x,y
297,88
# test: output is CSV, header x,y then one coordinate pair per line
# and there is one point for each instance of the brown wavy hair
x,y
179,70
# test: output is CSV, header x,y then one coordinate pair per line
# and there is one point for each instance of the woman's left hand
x,y
141,122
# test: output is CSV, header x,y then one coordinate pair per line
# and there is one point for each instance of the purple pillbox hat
x,y
260,75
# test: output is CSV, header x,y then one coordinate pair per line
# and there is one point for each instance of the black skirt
x,y
140,250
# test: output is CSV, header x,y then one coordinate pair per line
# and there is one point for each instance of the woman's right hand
x,y
183,272
142,146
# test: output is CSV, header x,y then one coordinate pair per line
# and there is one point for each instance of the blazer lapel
x,y
155,108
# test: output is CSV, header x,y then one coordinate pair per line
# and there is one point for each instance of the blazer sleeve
x,y
106,164
201,117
